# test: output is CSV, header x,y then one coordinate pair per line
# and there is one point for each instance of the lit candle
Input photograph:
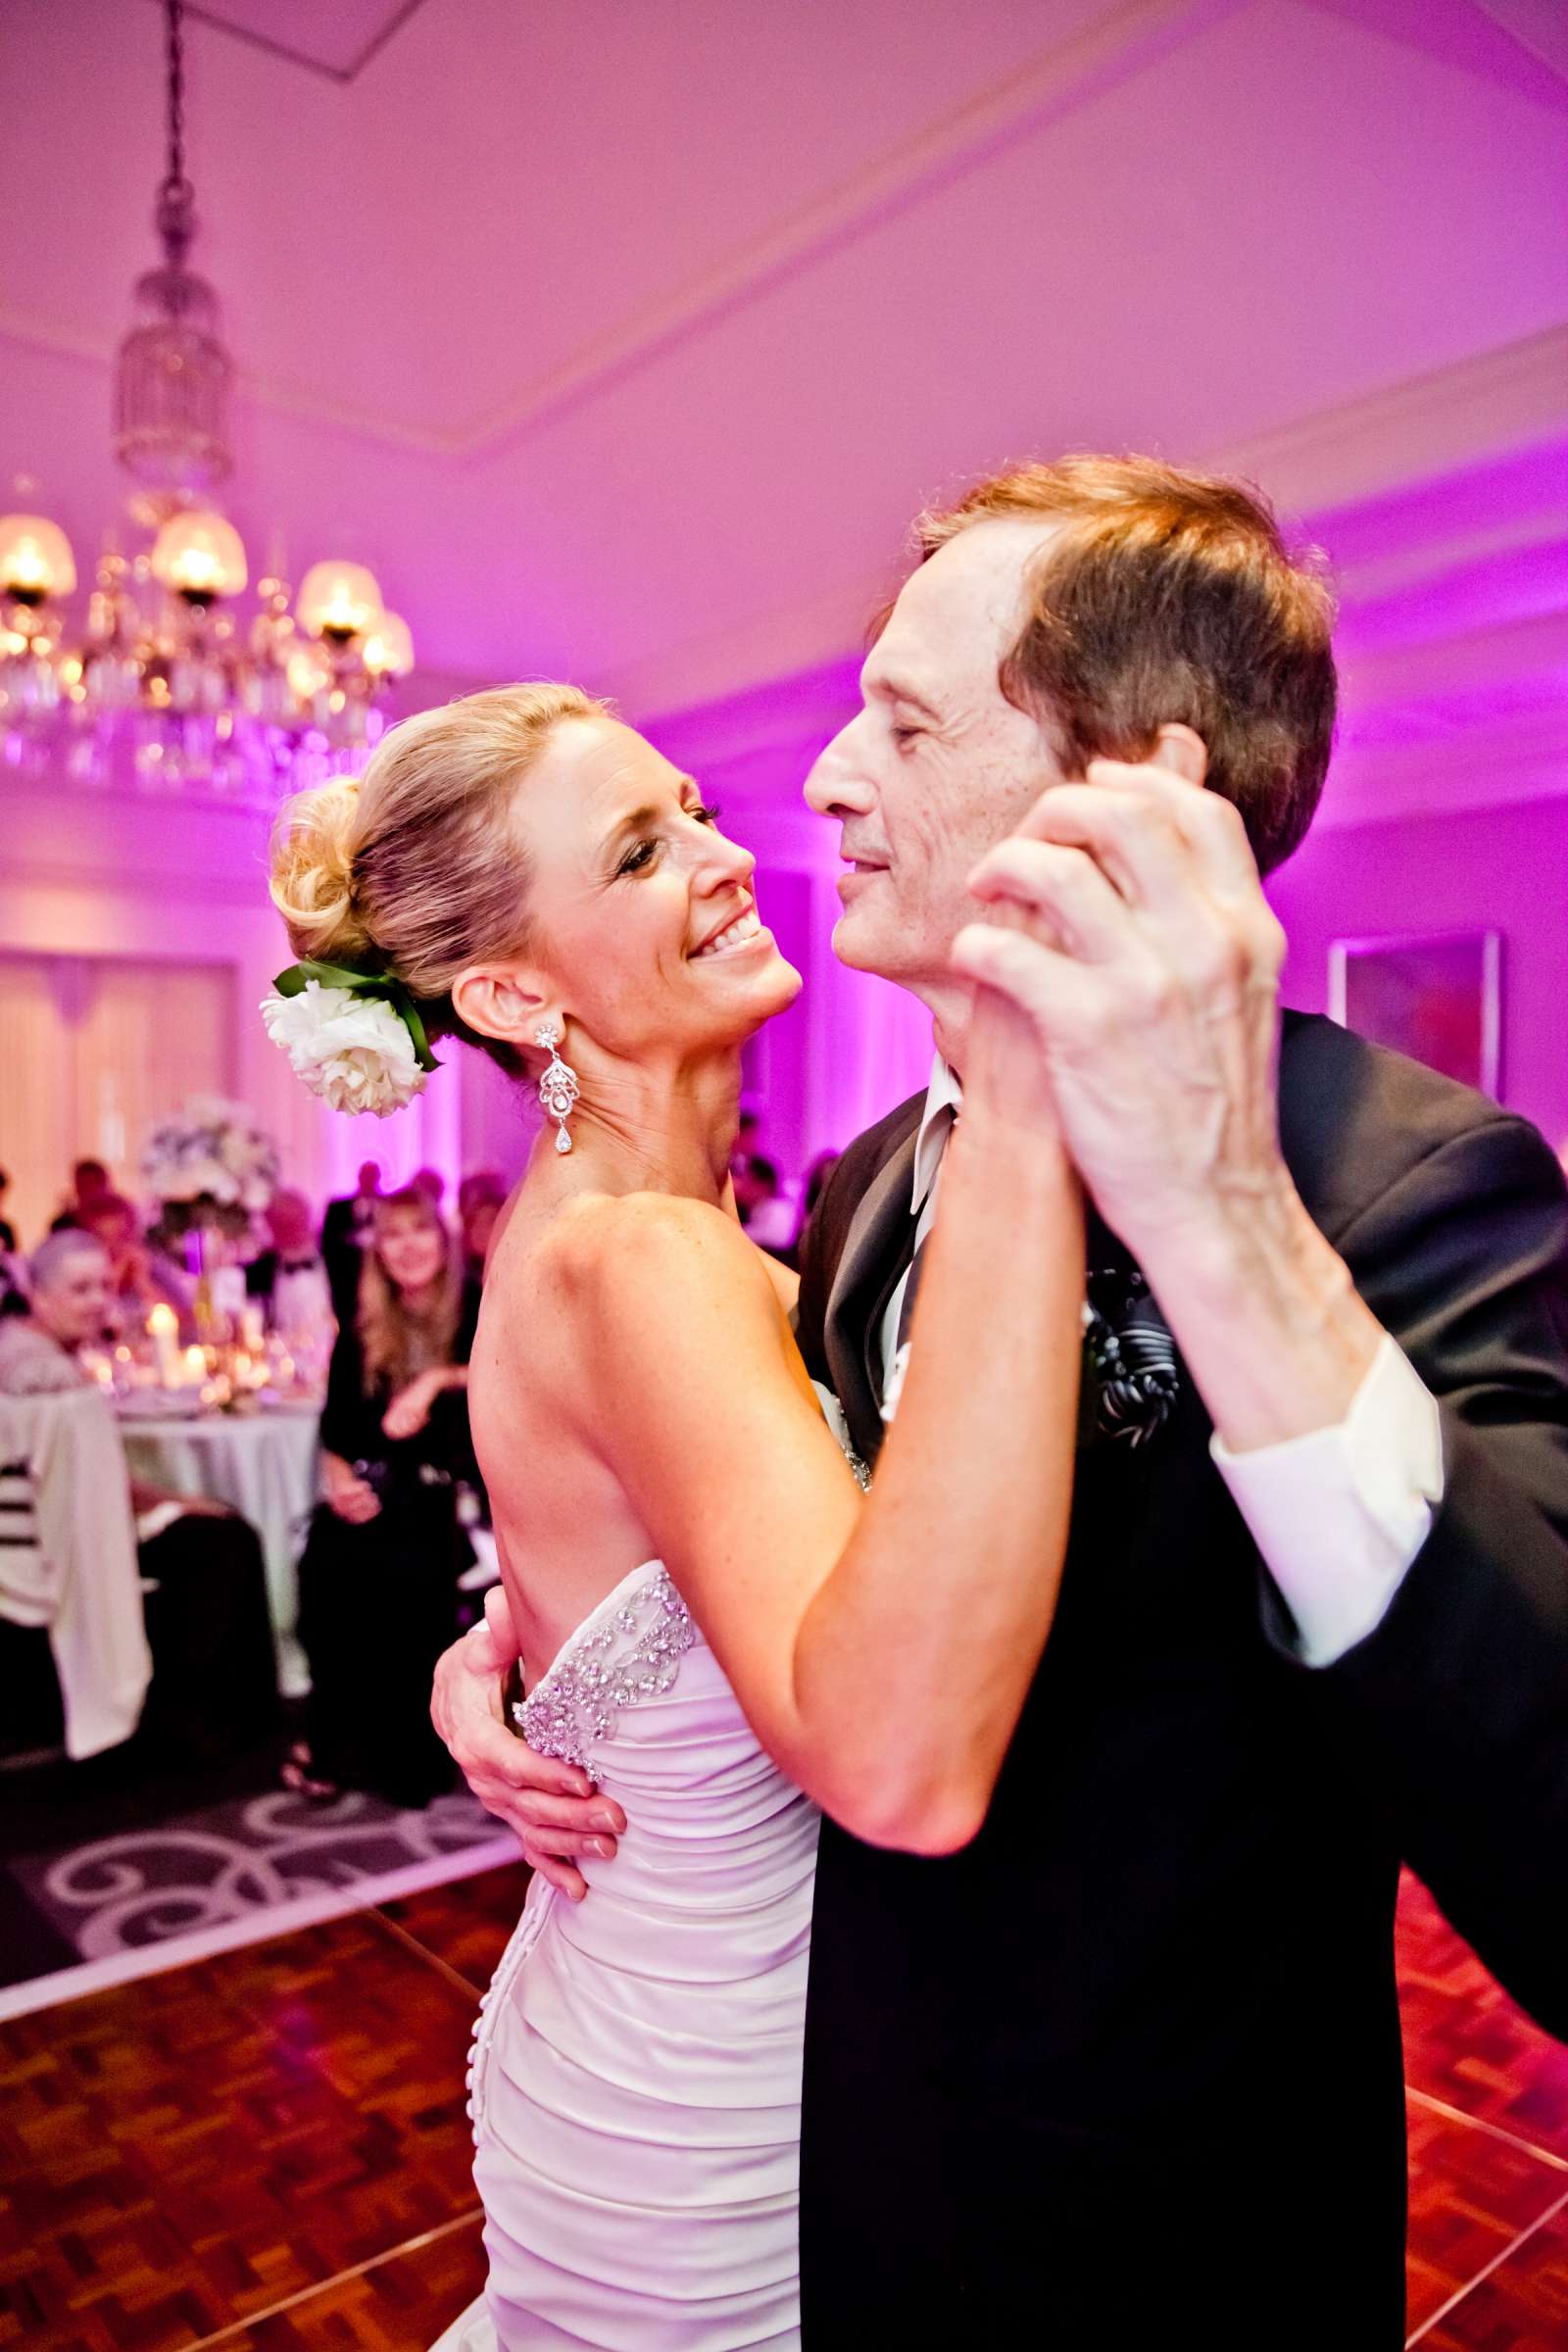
x,y
195,1367
163,1325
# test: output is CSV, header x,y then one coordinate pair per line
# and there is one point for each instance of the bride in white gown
x,y
716,1626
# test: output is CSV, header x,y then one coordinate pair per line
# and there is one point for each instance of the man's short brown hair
x,y
1169,597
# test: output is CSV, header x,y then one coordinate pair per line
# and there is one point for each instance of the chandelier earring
x,y
558,1089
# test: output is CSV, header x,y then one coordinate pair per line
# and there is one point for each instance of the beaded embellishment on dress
x,y
577,1702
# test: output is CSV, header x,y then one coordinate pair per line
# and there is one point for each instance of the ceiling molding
x,y
266,392
1414,569
1432,425
1328,459
1492,768
1534,646
1053,83
340,75
1407,432
1538,26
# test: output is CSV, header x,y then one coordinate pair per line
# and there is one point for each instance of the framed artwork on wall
x,y
1436,997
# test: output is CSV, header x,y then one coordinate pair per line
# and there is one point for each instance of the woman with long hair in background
x,y
378,1577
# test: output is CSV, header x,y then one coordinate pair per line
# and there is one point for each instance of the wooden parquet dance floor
x,y
270,2149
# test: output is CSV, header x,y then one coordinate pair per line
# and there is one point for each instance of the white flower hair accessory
x,y
355,1038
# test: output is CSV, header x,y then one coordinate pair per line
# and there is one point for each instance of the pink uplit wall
x,y
1501,868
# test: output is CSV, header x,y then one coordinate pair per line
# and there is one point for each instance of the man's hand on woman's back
x,y
551,1806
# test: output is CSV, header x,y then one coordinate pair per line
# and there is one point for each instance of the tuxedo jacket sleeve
x,y
1458,1699
1453,1218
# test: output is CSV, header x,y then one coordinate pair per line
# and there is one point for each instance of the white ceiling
x,y
623,336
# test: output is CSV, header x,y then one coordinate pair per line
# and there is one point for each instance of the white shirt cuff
x,y
1338,1515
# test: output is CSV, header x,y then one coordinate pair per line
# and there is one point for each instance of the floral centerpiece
x,y
212,1166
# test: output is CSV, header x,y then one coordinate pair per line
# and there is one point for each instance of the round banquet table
x,y
265,1467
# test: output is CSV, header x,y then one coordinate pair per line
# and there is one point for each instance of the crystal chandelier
x,y
166,683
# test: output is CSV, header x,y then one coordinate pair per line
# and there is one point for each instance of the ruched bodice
x,y
636,2074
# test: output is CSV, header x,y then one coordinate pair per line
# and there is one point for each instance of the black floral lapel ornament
x,y
1128,1359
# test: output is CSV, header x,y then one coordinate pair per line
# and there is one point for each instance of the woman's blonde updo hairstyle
x,y
416,868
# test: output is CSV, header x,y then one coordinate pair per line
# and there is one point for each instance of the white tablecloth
x,y
265,1468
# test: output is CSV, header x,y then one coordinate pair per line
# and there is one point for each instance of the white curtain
x,y
92,1050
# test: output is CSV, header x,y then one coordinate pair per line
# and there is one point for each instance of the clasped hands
x,y
1143,950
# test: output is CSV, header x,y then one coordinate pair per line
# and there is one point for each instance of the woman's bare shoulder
x,y
664,1235
616,1253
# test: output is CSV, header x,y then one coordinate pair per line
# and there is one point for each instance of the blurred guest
x,y
69,1302
481,1197
817,1176
214,1678
741,1161
143,1276
89,1183
479,1232
774,1221
13,1297
431,1183
378,1595
344,1230
289,1277
756,1184
748,1136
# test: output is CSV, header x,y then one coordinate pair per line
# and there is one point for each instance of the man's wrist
x,y
994,1150
1266,1316
1221,1248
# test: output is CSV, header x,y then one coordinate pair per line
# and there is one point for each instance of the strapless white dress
x,y
636,2073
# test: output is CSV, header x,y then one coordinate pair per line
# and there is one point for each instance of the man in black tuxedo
x,y
345,1229
1134,2050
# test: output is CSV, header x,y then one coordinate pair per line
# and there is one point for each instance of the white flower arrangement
x,y
211,1151
354,1050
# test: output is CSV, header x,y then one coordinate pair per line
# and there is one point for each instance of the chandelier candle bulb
x,y
338,601
199,556
388,648
35,559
